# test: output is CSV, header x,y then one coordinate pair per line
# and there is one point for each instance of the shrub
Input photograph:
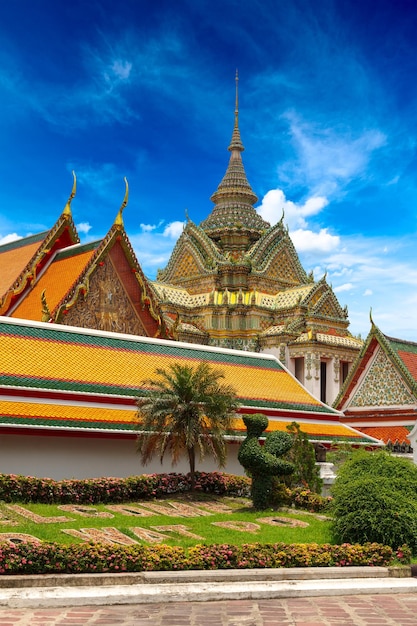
x,y
375,500
302,455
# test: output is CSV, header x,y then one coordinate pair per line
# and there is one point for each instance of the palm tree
x,y
187,409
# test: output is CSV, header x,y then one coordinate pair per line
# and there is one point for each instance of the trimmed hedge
x,y
16,488
51,558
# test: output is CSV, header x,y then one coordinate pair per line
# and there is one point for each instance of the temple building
x,y
379,397
233,281
68,399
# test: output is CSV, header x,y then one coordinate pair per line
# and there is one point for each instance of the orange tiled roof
x,y
14,258
410,361
388,433
56,281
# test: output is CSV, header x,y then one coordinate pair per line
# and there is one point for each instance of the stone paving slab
x,y
227,575
353,610
48,597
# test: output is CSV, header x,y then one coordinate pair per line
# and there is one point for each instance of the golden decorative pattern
x,y
106,306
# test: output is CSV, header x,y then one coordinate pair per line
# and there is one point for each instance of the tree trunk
x,y
191,459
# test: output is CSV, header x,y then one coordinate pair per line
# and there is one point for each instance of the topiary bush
x,y
263,462
375,499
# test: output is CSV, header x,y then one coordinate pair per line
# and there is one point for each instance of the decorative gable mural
x,y
383,385
379,397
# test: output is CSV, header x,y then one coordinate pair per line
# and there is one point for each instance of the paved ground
x,y
356,610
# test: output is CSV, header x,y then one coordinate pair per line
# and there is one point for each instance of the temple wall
x,y
77,457
310,376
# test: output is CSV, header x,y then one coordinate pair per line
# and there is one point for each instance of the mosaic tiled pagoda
x,y
236,281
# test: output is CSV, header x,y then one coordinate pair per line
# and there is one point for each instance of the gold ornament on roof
x,y
119,217
46,314
67,208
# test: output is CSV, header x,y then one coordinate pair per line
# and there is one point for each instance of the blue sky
x,y
145,89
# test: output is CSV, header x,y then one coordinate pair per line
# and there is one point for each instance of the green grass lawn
x,y
182,521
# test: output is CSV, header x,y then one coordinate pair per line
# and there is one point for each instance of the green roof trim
x,y
80,387
36,421
67,385
23,241
8,420
75,251
400,345
294,406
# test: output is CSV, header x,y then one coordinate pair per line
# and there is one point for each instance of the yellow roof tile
x,y
50,412
126,368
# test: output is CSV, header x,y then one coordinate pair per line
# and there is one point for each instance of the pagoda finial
x,y
370,317
119,217
67,208
237,100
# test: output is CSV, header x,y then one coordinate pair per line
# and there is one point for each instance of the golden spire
x,y
237,100
119,218
67,208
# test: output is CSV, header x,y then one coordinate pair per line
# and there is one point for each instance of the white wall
x,y
75,457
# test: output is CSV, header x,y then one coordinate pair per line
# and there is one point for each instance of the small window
x,y
323,380
344,371
299,369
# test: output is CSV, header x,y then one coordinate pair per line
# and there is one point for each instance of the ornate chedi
x,y
236,281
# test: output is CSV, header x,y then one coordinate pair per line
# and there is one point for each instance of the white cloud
x,y
274,203
368,292
83,227
345,287
173,230
309,241
147,228
9,238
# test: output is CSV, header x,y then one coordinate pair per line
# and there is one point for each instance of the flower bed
x,y
15,488
42,558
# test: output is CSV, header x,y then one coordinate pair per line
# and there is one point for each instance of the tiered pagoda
x,y
236,281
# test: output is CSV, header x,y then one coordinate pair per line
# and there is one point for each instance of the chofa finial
x,y
67,208
119,217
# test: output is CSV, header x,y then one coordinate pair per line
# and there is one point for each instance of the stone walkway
x,y
355,610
